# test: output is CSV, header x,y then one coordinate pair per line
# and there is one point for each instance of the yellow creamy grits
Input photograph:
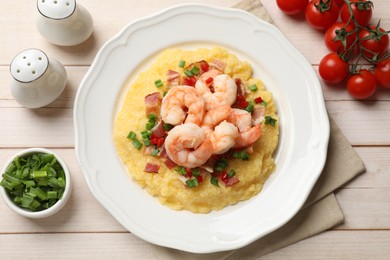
x,y
165,185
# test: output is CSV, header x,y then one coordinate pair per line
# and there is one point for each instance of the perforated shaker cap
x,y
29,65
56,9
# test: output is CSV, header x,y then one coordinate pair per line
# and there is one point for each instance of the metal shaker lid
x,y
56,9
29,65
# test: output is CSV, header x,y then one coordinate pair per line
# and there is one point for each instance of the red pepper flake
x,y
160,142
200,178
224,177
241,102
189,172
204,66
189,81
209,80
258,100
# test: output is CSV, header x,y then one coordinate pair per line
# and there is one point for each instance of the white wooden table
x,y
83,229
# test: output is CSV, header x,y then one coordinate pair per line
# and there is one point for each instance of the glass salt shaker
x,y
37,79
63,22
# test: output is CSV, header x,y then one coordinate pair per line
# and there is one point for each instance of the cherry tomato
x,y
376,40
361,10
382,73
333,69
321,14
292,6
337,34
362,85
339,2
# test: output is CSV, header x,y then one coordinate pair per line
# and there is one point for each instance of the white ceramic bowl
x,y
47,212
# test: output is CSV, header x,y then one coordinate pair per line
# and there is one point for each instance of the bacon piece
x,y
258,114
148,150
241,88
231,181
218,64
151,168
169,163
153,103
158,130
163,153
173,78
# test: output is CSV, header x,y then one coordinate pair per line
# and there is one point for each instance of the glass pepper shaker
x,y
63,22
37,80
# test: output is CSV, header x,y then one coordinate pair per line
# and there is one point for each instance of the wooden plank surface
x,y
85,229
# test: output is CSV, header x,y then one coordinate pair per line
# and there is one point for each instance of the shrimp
x,y
224,89
248,134
214,116
223,137
248,137
182,104
187,145
222,134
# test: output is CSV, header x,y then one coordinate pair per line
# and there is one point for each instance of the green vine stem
x,y
347,54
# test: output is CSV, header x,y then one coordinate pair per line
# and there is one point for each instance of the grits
x,y
166,185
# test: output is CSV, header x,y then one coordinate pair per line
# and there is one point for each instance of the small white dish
x,y
37,80
43,213
297,92
63,22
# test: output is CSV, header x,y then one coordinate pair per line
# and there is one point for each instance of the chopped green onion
x,y
132,135
165,93
250,107
38,174
241,155
26,201
182,63
38,192
137,144
150,125
29,183
263,103
152,117
181,170
195,70
158,83
152,121
146,134
11,168
253,88
52,194
269,120
195,172
192,183
231,173
167,127
146,142
220,165
214,181
188,73
155,152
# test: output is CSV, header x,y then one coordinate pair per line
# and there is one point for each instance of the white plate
x,y
286,73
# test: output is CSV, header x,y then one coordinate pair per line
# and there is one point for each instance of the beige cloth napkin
x,y
320,212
